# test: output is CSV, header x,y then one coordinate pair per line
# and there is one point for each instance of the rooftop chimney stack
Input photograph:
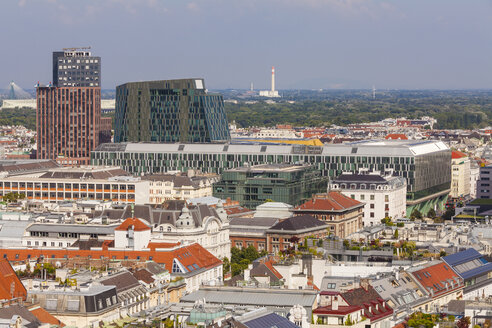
x,y
273,79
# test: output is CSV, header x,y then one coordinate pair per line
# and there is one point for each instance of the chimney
x,y
247,272
334,303
273,79
364,283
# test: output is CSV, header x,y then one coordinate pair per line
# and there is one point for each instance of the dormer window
x,y
168,229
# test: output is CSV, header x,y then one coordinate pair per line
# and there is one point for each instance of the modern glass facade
x,y
426,165
252,186
169,111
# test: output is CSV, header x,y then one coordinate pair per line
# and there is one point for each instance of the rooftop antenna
x,y
373,91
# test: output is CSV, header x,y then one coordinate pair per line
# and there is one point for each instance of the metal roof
x,y
257,297
462,257
76,228
365,148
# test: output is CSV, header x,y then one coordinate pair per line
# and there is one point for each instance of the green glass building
x,y
286,183
169,111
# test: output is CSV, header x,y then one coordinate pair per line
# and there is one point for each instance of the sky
x,y
313,44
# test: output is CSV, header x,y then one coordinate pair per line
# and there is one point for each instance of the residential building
x,y
169,111
59,184
68,116
84,307
460,175
194,264
484,189
343,215
353,307
156,279
440,282
177,222
164,187
132,296
425,164
252,186
384,195
401,293
475,271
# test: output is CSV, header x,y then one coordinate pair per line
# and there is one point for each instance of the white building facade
x,y
460,175
384,195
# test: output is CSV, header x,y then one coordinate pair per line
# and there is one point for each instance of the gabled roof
x,y
137,224
457,154
144,275
297,223
333,201
269,320
371,302
435,277
10,284
45,317
123,281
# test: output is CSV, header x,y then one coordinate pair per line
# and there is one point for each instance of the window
x,y
371,214
371,206
386,198
372,197
362,197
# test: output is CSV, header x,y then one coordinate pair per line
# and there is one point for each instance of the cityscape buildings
x,y
426,164
68,111
169,111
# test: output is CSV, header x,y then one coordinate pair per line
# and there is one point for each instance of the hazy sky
x,y
231,43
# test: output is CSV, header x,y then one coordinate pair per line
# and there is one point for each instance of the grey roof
x,y
13,228
123,281
257,297
77,228
252,222
90,291
168,212
299,223
365,147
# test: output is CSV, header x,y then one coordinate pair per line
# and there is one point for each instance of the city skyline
x,y
313,44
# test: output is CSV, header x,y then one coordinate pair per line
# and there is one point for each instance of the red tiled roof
x,y
396,136
457,154
45,317
436,276
10,284
187,255
154,245
342,310
334,201
269,265
137,224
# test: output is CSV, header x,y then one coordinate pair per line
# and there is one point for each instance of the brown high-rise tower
x,y
68,113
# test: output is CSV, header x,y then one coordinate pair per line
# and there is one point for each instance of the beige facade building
x,y
164,187
460,175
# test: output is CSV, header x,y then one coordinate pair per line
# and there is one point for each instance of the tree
x,y
226,265
431,213
250,253
464,322
416,215
448,214
395,236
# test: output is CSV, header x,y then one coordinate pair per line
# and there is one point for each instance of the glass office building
x,y
169,111
426,165
286,183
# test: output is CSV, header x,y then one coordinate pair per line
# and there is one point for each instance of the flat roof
x,y
364,148
76,228
256,296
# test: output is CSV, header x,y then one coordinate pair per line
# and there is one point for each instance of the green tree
x,y
416,215
395,236
250,253
431,213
